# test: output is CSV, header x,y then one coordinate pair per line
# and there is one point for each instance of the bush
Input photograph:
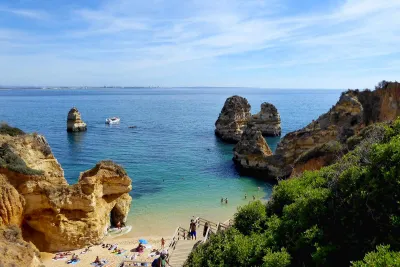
x,y
328,217
276,259
13,162
12,131
383,257
250,218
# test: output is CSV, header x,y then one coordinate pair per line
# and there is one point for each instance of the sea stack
x,y
319,143
267,120
233,119
74,121
251,153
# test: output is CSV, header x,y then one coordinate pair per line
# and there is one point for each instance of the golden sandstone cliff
x,y
74,121
53,215
319,143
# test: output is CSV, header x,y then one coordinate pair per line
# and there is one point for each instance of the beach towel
x,y
102,264
122,252
74,262
58,259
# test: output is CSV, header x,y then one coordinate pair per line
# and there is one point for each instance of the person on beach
x,y
162,242
205,229
245,196
192,229
226,200
222,200
97,261
119,225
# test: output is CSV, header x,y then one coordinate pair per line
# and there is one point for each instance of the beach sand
x,y
113,260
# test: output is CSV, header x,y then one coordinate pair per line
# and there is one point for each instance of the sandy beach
x,y
127,244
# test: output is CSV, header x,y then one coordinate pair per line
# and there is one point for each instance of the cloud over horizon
x,y
253,43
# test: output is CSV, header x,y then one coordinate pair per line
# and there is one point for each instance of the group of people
x,y
245,196
222,200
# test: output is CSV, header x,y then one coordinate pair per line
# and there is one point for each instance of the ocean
x,y
178,167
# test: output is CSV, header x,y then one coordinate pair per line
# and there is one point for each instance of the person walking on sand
x,y
192,229
162,242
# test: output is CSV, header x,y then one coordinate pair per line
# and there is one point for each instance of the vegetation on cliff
x,y
7,129
11,161
330,217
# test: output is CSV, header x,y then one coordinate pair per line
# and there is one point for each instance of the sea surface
x,y
178,167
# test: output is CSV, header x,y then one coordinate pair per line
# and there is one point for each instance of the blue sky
x,y
252,43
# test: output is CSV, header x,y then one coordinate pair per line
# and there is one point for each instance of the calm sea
x,y
178,167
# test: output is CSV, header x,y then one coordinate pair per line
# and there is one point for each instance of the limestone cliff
x,y
251,152
314,146
267,120
14,251
233,119
57,216
74,121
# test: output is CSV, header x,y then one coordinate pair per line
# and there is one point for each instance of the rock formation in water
x,y
233,119
251,152
52,214
316,145
267,120
74,121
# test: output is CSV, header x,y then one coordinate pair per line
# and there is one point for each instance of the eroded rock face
x,y
267,120
11,205
251,153
15,251
74,121
57,216
233,119
353,112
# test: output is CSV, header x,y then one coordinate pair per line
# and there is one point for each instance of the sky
x,y
252,43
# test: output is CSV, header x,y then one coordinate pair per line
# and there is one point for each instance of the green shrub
x,y
13,162
328,217
276,259
382,257
6,129
250,218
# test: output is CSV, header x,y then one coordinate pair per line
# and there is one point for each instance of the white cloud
x,y
27,13
235,35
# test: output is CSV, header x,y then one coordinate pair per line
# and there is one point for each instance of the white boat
x,y
113,120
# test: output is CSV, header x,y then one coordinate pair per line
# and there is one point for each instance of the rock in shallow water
x,y
74,121
233,119
267,120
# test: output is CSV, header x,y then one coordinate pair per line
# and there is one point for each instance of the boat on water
x,y
113,120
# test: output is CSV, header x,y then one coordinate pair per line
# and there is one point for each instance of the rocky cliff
x,y
233,119
252,153
268,120
74,121
52,214
235,115
14,251
316,144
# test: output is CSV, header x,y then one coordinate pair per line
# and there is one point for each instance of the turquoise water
x,y
179,168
